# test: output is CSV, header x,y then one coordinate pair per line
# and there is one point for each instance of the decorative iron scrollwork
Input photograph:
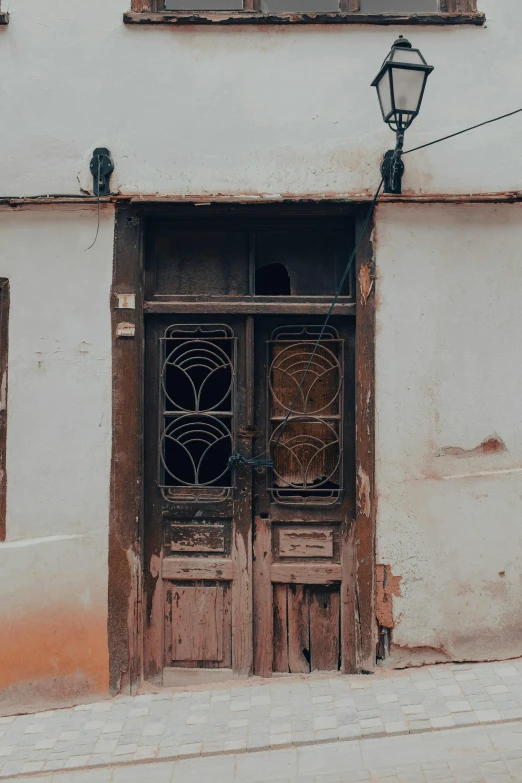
x,y
197,412
306,446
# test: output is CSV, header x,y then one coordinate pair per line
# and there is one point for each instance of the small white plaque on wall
x,y
125,330
126,301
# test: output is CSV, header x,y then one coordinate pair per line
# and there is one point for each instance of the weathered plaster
x,y
257,110
262,112
53,565
449,371
387,586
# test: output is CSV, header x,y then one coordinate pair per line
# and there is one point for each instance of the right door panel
x,y
304,508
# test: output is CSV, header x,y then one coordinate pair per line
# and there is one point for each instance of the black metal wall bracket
x,y
101,167
392,168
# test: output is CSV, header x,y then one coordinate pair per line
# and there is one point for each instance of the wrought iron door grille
x,y
308,456
197,412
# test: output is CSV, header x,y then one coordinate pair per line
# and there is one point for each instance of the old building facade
x,y
150,336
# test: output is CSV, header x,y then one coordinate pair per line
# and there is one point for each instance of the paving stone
x,y
121,750
351,731
397,727
280,712
233,746
462,676
497,688
459,706
450,690
325,722
192,749
240,706
254,717
507,672
69,735
465,719
416,726
371,723
443,722
413,709
280,728
488,716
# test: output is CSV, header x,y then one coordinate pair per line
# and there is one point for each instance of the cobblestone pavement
x,y
261,715
479,754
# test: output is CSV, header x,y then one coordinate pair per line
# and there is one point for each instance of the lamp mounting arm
x,y
392,167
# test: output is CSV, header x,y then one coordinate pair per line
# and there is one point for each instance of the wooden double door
x,y
248,568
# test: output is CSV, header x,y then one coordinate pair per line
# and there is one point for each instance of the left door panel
x,y
197,520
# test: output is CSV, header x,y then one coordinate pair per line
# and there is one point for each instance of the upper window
x,y
446,11
304,6
399,6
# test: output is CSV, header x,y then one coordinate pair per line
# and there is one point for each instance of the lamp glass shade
x,y
384,93
408,86
400,85
402,55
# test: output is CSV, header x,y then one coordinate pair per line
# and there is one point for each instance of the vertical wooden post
x,y
124,620
349,619
242,632
348,596
263,614
365,449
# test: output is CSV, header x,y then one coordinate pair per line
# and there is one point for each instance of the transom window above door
x,y
258,258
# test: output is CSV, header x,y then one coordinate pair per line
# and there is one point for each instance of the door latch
x,y
255,462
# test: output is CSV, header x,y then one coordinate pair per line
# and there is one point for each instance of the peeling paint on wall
x,y
363,491
449,434
57,656
404,656
491,445
387,585
365,282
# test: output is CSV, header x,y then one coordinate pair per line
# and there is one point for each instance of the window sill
x,y
256,18
4,17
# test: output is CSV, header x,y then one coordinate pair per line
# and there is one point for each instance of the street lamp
x,y
400,86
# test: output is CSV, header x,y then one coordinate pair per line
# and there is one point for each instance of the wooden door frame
x,y
126,599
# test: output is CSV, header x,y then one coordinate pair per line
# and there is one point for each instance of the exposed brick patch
x,y
387,586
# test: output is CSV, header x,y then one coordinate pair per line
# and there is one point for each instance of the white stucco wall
x,y
449,374
260,112
53,565
238,110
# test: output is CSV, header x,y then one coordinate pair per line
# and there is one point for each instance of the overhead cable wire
x,y
329,313
261,461
98,201
349,266
466,130
406,152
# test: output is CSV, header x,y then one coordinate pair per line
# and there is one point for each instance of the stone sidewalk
x,y
478,754
260,715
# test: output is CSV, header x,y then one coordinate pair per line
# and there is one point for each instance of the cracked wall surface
x,y
53,564
449,428
246,110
